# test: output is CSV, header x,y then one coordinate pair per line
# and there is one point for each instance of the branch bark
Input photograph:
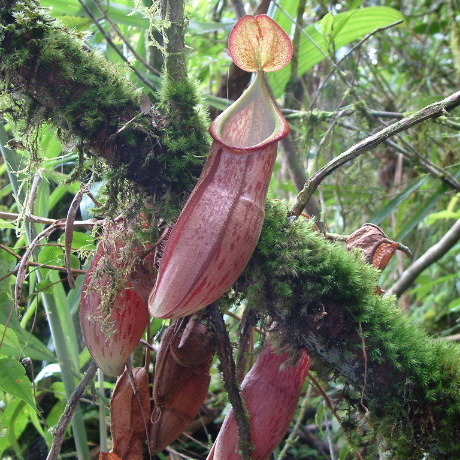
x,y
423,262
66,417
432,111
52,76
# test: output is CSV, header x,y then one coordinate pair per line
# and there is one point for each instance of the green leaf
x,y
285,12
9,343
15,420
320,415
6,224
30,345
44,286
80,240
121,14
423,209
345,28
325,26
51,255
205,27
7,264
395,202
55,413
442,215
13,380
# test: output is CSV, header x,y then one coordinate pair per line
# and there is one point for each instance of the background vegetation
x,y
355,73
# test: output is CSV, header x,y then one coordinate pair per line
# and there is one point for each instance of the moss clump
x,y
59,79
34,45
323,298
185,135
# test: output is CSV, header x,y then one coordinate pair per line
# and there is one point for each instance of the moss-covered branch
x,y
323,297
51,75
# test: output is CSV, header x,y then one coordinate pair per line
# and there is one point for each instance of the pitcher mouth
x,y
252,122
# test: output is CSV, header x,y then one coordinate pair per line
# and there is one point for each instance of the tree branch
x,y
319,294
58,79
224,351
323,298
431,256
432,111
66,417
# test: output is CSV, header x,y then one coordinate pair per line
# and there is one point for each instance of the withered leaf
x,y
130,414
383,254
109,456
180,385
378,249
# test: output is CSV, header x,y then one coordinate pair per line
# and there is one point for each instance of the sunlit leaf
x,y
350,25
9,343
13,380
6,224
31,345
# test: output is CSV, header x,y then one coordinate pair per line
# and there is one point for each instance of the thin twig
x,y
346,55
36,264
325,396
431,111
90,223
343,112
69,225
115,47
426,164
124,40
66,417
432,255
224,351
22,268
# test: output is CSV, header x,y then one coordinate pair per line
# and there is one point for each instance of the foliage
x,y
335,95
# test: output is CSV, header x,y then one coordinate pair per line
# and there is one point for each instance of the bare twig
x,y
141,77
36,264
345,56
224,351
90,223
325,396
69,410
69,225
22,268
426,164
238,6
431,111
432,255
343,112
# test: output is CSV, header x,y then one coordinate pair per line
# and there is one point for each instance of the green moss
x,y
185,138
413,383
94,106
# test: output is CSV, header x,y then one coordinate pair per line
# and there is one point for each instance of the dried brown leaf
x,y
130,414
378,249
179,390
109,456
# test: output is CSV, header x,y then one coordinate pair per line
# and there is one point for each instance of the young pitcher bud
x,y
271,391
113,316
